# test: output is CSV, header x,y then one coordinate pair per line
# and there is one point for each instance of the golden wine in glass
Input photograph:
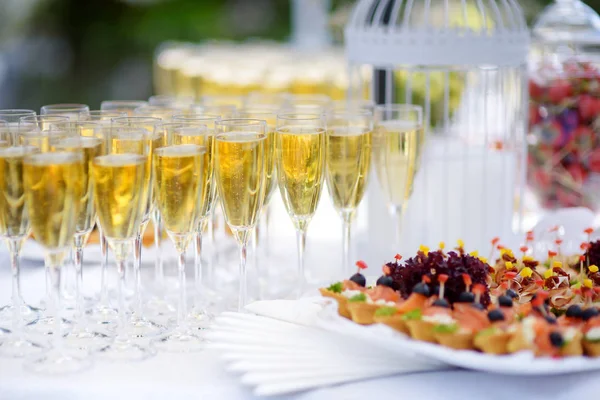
x,y
201,133
398,142
348,164
269,115
119,181
178,182
134,138
12,118
240,173
52,183
300,164
14,228
155,127
82,335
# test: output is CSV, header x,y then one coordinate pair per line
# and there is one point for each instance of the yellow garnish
x,y
593,268
442,245
526,272
483,260
508,252
509,265
528,258
424,249
556,264
548,273
588,283
474,253
460,243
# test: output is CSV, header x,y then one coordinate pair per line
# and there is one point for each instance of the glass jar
x,y
563,168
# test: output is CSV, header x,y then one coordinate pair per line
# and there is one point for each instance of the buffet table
x,y
201,376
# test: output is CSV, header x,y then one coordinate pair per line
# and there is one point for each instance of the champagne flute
x,y
82,336
260,99
202,137
126,106
12,118
348,104
14,228
269,115
134,138
102,312
52,183
105,116
348,164
222,110
178,183
29,134
158,303
75,112
240,177
44,123
199,135
222,99
398,142
5,135
300,164
119,185
167,100
215,105
164,113
309,103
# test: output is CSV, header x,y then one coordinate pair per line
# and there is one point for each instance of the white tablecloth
x,y
200,375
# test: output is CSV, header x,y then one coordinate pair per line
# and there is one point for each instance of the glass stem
x,y
210,268
54,270
159,273
137,265
243,282
198,273
181,308
104,270
48,287
14,246
121,266
266,223
346,237
78,261
254,240
301,239
396,212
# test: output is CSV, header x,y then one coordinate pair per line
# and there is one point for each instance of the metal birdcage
x,y
465,63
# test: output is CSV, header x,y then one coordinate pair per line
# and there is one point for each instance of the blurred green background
x,y
86,51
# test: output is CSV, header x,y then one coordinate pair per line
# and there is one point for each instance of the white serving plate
x,y
522,363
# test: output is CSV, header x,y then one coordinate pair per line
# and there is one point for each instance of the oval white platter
x,y
522,363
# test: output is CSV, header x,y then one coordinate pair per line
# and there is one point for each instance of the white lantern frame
x,y
474,164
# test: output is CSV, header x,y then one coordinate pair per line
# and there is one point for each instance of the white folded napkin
x,y
302,312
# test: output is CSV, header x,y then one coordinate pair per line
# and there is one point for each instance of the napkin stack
x,y
277,348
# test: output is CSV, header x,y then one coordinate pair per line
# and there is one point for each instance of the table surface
x,y
201,376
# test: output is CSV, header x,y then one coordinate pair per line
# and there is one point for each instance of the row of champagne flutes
x,y
296,145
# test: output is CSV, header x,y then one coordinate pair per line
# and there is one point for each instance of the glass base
x,y
15,347
122,349
181,341
59,362
140,327
45,326
160,307
198,318
69,305
28,313
86,339
103,314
